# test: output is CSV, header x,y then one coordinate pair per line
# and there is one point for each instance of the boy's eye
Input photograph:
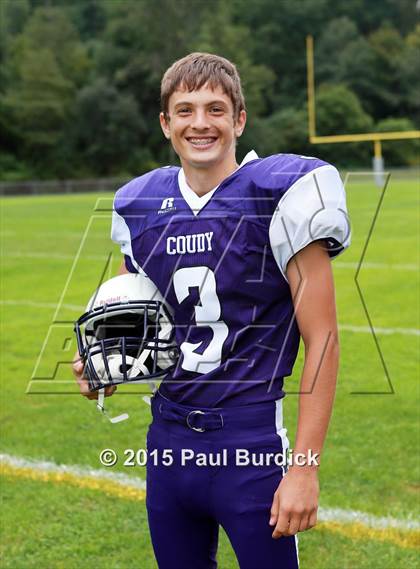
x,y
216,110
183,111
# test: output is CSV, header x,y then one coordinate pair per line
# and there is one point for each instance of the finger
x,y
91,396
304,523
78,368
313,518
281,525
84,388
274,512
294,524
110,390
77,358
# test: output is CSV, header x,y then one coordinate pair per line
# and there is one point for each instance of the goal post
x,y
375,137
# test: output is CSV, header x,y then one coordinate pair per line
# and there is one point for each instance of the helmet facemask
x,y
126,342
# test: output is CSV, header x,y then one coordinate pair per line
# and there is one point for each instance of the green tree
x,y
39,104
339,111
283,131
399,152
409,76
388,47
13,15
277,40
219,34
134,53
331,46
133,56
366,65
371,14
109,131
89,17
56,57
51,29
47,63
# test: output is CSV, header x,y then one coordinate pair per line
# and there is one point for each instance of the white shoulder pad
x,y
120,234
313,208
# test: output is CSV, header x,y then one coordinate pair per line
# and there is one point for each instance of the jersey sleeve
x,y
120,234
134,209
313,208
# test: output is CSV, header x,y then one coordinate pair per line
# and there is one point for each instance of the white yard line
x,y
324,515
50,305
80,471
380,266
54,234
376,522
56,256
378,330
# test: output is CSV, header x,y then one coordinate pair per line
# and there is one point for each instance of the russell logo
x,y
167,205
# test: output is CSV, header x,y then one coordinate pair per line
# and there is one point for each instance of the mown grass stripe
x,y
75,470
369,520
55,256
36,304
379,330
380,266
349,523
105,486
404,539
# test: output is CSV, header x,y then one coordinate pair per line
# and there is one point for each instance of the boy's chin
x,y
200,161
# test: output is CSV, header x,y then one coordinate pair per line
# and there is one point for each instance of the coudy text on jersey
x,y
184,244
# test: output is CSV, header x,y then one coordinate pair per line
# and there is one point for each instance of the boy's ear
x,y
164,123
240,123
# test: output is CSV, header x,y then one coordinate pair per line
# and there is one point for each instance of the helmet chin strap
x,y
140,367
101,407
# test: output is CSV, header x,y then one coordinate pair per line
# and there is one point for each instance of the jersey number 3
x,y
206,314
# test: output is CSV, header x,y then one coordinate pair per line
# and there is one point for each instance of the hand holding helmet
x,y
125,335
78,369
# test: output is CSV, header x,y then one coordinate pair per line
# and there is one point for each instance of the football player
x,y
242,254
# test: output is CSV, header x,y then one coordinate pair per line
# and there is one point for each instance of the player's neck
x,y
203,180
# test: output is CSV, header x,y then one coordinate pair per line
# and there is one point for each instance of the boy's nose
x,y
200,120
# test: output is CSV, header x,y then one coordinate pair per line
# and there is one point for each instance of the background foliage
x,y
79,81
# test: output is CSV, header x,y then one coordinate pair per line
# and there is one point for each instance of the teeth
x,y
201,141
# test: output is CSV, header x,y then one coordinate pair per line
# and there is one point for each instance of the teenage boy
x,y
242,255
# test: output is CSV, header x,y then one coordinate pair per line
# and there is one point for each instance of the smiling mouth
x,y
202,141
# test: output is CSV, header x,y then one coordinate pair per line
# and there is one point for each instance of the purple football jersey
x,y
220,261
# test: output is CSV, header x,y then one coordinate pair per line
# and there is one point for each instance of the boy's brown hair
x,y
198,69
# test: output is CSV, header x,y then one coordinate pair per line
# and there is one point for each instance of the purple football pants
x,y
202,481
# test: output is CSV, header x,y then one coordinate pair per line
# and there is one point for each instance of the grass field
x,y
370,462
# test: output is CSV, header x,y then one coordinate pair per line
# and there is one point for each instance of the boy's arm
x,y
310,277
